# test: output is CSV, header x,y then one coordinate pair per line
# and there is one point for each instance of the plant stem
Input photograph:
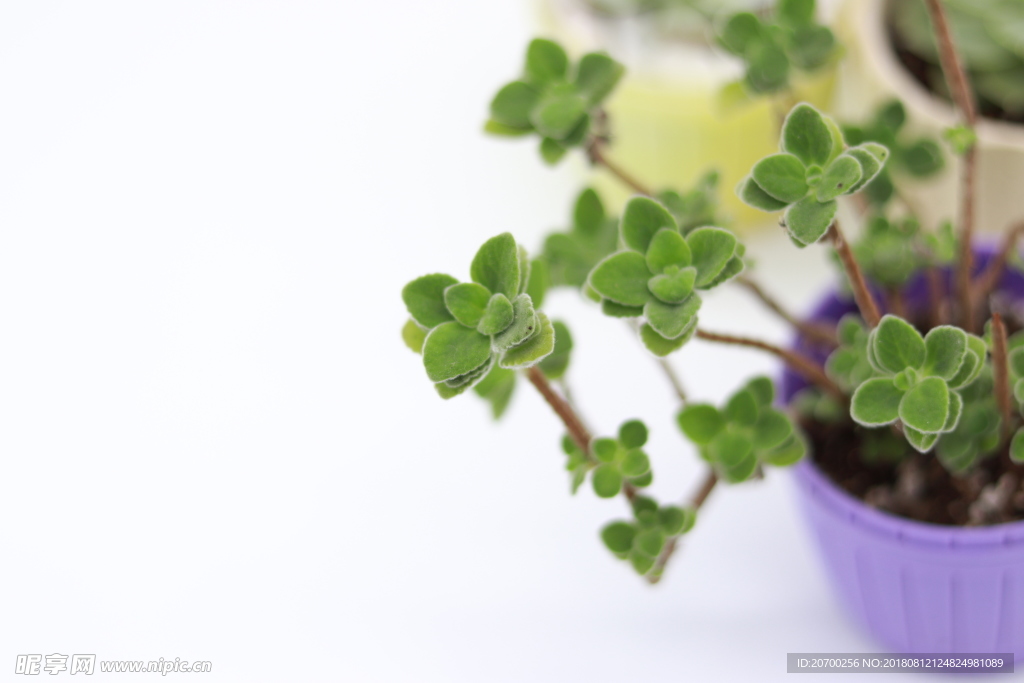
x,y
573,423
987,280
598,158
861,293
799,362
960,88
894,302
1001,372
673,379
810,330
701,495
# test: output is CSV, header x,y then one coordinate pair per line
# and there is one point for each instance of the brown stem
x,y
701,495
894,302
960,88
799,362
1001,372
988,279
572,421
815,331
861,293
598,158
936,297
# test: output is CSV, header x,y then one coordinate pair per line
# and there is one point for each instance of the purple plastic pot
x,y
916,587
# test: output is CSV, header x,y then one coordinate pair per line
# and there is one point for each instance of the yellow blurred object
x,y
673,116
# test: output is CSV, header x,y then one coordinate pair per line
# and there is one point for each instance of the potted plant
x,y
891,53
687,106
901,407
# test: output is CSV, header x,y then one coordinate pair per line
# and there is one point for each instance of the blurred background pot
x,y
873,73
671,121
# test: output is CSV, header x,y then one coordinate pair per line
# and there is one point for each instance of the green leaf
x,y
876,402
524,324
467,301
451,349
740,32
892,115
659,345
767,67
808,220
920,441
557,114
635,463
673,288
615,310
641,220
641,563
742,408
771,430
534,348
540,281
497,316
605,449
618,537
672,320
413,335
791,451
622,277
711,250
551,151
896,345
650,542
470,378
424,299
700,423
922,158
512,105
588,213
496,265
869,166
546,61
597,75
1017,446
730,447
667,248
607,481
841,175
633,434
926,406
643,480
524,268
754,195
493,127
945,348
960,138
795,12
956,408
497,388
675,521
974,362
763,390
811,46
555,365
733,268
783,176
806,135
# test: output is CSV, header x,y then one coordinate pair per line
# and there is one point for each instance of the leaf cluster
x,y
612,461
813,168
641,540
771,47
659,272
469,327
554,98
748,431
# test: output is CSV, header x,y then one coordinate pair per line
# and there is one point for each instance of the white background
x,y
216,447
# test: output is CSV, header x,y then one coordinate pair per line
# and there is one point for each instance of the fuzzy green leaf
x,y
496,265
673,288
896,345
667,248
633,434
524,324
771,430
588,213
605,449
754,195
641,220
795,12
672,320
513,104
763,390
597,75
558,114
618,537
841,175
783,176
789,452
555,365
926,406
615,310
742,408
730,447
919,440
635,463
659,345
424,299
876,402
540,281
451,349
869,167
811,46
806,135
808,220
552,151
945,348
497,315
546,61
700,423
607,480
413,335
740,32
650,542
956,408
467,301
711,250
536,347
497,388
493,127
1017,446
974,362
622,277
